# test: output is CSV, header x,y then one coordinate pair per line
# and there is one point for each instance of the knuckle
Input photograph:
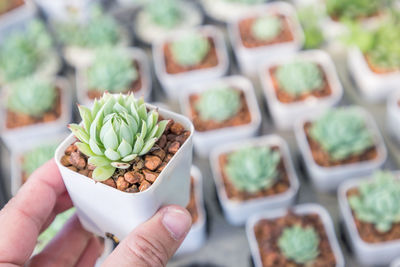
x,y
149,252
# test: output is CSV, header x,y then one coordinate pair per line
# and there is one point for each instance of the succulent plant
x,y
22,52
299,244
112,70
100,30
310,17
343,9
35,158
246,2
32,96
190,49
115,131
267,27
378,202
253,168
342,133
218,104
299,77
165,13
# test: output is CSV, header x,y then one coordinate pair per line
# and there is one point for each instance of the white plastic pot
x,y
103,209
149,32
285,114
366,253
303,209
395,263
173,84
197,234
144,72
250,59
16,18
237,212
64,10
373,86
204,142
393,114
17,136
130,3
329,178
224,10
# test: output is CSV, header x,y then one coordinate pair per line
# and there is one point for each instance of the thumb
x,y
154,242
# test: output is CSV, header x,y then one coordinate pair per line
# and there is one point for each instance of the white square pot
x,y
64,10
134,54
366,253
197,234
15,137
131,3
395,263
237,212
302,209
173,84
103,209
393,114
149,32
285,114
250,59
205,141
374,87
16,18
328,178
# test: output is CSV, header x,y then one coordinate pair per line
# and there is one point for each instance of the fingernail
x,y
177,222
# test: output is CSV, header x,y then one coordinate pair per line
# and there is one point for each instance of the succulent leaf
x,y
378,202
164,13
103,173
190,49
267,27
35,158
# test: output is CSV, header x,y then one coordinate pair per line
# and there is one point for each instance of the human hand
x,y
44,195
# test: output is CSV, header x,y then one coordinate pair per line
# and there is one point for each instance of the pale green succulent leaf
x,y
152,133
143,131
85,149
142,112
138,145
161,128
86,116
103,173
125,133
110,139
129,158
79,133
112,155
99,161
146,148
124,148
95,147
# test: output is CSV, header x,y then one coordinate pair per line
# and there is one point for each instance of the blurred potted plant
x,y
64,10
15,14
310,19
126,157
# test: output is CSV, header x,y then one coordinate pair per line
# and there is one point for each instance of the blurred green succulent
x,y
22,52
299,244
165,13
115,131
378,202
354,9
342,133
35,158
267,27
299,77
32,96
246,2
253,168
218,104
112,70
190,49
100,30
310,18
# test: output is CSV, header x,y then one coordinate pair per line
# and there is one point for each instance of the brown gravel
x,y
192,206
242,117
268,233
323,159
16,120
367,231
135,85
143,171
172,67
285,97
250,41
282,184
12,5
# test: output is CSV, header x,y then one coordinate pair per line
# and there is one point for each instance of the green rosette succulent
x,y
35,158
253,169
246,2
22,52
100,30
112,70
352,10
32,96
218,104
115,131
266,28
190,49
378,202
310,17
299,77
342,133
165,13
299,244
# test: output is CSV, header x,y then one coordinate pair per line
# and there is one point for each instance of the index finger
x,y
23,218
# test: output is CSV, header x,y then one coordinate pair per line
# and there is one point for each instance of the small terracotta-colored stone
x,y
159,153
168,157
70,149
47,117
133,177
122,184
183,137
132,189
144,185
174,147
110,182
65,160
91,167
84,172
177,128
150,176
73,168
77,160
152,162
138,165
162,141
169,124
162,166
90,174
